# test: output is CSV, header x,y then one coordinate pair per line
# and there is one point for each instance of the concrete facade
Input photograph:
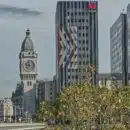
x,y
109,79
6,110
46,90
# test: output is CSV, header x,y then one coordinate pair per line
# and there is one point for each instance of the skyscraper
x,y
118,47
76,41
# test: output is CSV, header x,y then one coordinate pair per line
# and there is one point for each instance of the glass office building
x,y
118,47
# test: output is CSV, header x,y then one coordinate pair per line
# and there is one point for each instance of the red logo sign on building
x,y
92,6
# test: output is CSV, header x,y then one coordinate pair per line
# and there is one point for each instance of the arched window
x,y
30,83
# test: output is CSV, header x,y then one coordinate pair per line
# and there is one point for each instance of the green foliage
x,y
95,106
87,106
46,111
118,127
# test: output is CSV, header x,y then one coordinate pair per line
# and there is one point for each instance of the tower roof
x,y
27,44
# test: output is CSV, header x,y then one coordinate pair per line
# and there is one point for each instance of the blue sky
x,y
12,32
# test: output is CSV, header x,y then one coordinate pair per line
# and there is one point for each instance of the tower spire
x,y
28,32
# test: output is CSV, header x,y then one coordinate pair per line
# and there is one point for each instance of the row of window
x,y
80,41
83,27
29,76
77,70
76,4
77,20
73,77
76,77
83,34
77,13
83,49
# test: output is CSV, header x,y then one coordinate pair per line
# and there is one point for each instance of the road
x,y
22,126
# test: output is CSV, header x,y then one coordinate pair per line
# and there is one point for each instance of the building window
x,y
79,27
76,77
79,41
75,5
79,20
83,77
83,55
83,62
86,27
79,55
50,93
82,20
28,83
72,20
83,48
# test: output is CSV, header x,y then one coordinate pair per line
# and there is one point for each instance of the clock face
x,y
29,65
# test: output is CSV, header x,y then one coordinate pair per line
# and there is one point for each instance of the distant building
x,y
108,79
76,41
128,35
17,99
119,46
46,90
1,110
6,110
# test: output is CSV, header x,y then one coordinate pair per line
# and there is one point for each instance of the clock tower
x,y
28,72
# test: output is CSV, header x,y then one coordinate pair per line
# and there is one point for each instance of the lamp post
x,y
15,112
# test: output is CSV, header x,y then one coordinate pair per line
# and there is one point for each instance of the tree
x,y
95,106
46,111
74,104
86,106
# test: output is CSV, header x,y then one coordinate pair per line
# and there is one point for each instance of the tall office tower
x,y
76,41
128,28
118,47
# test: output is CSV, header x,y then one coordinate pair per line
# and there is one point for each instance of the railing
x,y
23,126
